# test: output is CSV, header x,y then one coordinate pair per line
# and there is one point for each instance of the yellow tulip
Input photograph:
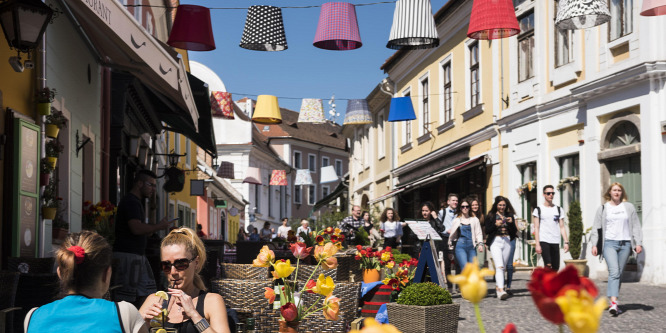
x,y
325,285
370,325
386,256
473,286
283,269
581,313
337,231
325,251
390,264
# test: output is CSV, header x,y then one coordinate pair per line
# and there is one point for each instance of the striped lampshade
x,y
413,26
337,28
264,29
581,14
312,111
358,112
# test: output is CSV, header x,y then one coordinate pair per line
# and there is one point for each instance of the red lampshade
x,y
338,27
492,19
653,8
192,29
279,178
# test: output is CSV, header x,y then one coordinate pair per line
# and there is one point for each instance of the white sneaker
x,y
613,310
502,295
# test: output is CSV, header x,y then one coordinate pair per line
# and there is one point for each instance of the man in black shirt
x,y
132,271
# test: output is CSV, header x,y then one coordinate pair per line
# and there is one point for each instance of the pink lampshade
x,y
337,28
653,8
279,178
192,29
252,176
492,19
221,104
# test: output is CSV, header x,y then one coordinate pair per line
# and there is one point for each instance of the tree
x,y
575,229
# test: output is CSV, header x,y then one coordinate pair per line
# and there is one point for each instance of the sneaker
x,y
613,310
501,295
509,292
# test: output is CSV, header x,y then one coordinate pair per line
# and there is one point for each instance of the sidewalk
x,y
644,310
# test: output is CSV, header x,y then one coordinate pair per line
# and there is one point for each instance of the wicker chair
x,y
243,272
8,286
349,294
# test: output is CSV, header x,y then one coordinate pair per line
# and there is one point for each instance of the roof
x,y
441,14
260,142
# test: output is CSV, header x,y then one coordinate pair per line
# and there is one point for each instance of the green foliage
x,y
424,294
362,237
45,95
56,118
399,257
45,167
54,148
329,219
575,229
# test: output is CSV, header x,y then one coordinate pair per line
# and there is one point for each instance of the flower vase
x,y
49,213
52,161
370,275
288,326
44,109
52,131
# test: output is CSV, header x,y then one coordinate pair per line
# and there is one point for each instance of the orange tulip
x,y
331,307
270,295
329,263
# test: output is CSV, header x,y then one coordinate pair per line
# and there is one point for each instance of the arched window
x,y
624,134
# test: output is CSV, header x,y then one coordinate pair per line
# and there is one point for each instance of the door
x,y
627,171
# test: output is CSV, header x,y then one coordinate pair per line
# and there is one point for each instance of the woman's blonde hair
x,y
193,244
97,256
607,195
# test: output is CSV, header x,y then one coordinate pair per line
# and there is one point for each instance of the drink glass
x,y
167,329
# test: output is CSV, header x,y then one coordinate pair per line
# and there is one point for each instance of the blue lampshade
x,y
358,113
401,109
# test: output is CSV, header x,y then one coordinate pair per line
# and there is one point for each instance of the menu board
x,y
29,168
27,226
25,189
422,229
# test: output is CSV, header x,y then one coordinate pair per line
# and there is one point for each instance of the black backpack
x,y
559,213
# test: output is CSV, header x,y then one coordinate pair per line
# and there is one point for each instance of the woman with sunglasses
x,y
478,213
466,229
84,269
501,229
190,308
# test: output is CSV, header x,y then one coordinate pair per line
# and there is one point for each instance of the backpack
x,y
539,212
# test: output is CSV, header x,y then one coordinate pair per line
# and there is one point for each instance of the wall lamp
x,y
23,23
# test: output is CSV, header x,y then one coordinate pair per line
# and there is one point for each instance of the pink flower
x,y
331,307
289,312
299,250
329,263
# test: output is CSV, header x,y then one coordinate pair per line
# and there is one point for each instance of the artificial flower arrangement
x,y
527,187
99,218
568,180
561,297
292,311
371,259
401,277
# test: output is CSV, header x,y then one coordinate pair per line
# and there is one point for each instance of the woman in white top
x,y
392,227
621,232
466,229
283,230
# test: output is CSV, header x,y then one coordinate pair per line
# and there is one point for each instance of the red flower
x,y
510,328
289,312
341,238
299,250
394,283
328,230
546,285
334,238
311,284
359,247
320,240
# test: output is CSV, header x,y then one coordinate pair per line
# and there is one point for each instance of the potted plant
x,y
45,172
576,236
60,227
51,202
53,149
54,122
44,99
424,307
369,262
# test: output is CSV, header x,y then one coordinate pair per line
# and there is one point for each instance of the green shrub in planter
x,y
424,294
424,308
399,257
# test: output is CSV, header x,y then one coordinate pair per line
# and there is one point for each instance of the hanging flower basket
x,y
52,131
49,213
568,180
44,179
52,161
44,109
527,187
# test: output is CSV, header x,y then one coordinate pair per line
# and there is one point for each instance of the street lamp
x,y
23,22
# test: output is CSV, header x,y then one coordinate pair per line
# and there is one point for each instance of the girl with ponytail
x,y
84,269
190,309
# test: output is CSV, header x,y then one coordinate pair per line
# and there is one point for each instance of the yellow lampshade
x,y
267,110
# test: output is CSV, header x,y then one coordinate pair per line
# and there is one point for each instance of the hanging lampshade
x,y
328,175
192,29
413,26
264,29
312,111
358,112
653,8
279,178
221,104
337,28
401,109
581,14
226,170
252,176
492,19
24,22
303,177
267,110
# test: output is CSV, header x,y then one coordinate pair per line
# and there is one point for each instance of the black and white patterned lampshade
x,y
413,26
581,14
264,29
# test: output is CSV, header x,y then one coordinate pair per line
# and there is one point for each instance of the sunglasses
x,y
464,207
549,193
180,264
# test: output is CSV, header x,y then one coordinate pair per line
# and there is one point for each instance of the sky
x,y
301,71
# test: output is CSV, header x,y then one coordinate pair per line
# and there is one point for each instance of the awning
x,y
122,44
430,178
204,137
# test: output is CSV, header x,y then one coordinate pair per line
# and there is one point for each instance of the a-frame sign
x,y
427,259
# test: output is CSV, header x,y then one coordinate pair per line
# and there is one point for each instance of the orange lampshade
x,y
192,29
279,178
267,110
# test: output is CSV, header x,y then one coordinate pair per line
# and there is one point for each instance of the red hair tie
x,y
79,253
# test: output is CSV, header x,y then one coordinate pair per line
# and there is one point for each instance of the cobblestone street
x,y
644,309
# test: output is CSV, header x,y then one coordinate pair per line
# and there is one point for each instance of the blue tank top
x,y
466,231
76,313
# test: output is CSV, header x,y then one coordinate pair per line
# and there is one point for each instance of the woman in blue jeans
x,y
466,229
621,232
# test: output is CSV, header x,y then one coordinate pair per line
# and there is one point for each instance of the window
x,y
624,134
312,194
475,85
188,155
425,92
138,10
408,127
526,47
325,190
312,163
338,167
381,150
325,161
257,197
149,23
270,197
297,160
297,194
563,44
517,3
366,149
569,167
622,18
448,98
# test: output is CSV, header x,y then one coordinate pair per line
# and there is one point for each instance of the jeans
x,y
551,255
500,249
465,252
616,254
509,264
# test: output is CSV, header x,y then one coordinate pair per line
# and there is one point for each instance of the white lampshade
x,y
252,176
303,177
312,111
328,175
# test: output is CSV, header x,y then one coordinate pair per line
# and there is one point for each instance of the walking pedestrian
x,y
482,254
501,229
283,230
620,233
548,222
392,227
466,230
